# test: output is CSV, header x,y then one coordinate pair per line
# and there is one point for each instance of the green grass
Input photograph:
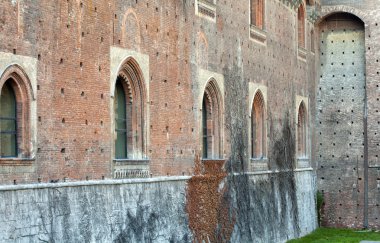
x,y
330,235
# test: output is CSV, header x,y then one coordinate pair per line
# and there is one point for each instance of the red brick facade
x,y
71,42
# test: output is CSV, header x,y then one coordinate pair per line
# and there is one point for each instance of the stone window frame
x,y
25,119
258,164
258,107
134,88
213,103
206,9
303,160
135,166
257,33
301,26
213,83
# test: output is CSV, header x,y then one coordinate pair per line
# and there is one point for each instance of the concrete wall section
x,y
281,206
153,210
121,212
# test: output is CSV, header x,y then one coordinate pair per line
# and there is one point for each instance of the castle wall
x,y
148,210
342,178
176,47
78,47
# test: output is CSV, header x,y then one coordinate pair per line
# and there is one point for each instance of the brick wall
x,y
71,41
342,177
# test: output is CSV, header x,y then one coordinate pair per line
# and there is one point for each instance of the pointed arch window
x,y
211,122
129,115
257,13
302,132
301,26
258,127
16,127
8,121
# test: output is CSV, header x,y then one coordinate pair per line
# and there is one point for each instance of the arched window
x,y
211,122
258,128
8,121
257,13
129,113
301,26
302,132
16,97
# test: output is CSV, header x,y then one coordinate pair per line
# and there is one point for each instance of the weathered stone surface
x,y
130,212
153,210
346,95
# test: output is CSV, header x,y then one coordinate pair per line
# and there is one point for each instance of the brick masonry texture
x,y
72,39
75,44
341,178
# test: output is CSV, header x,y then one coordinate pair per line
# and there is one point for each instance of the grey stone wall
x,y
281,206
342,178
149,210
340,99
105,211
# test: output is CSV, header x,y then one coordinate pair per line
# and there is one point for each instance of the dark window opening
x,y
8,122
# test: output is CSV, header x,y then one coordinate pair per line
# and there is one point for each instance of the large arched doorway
x,y
340,118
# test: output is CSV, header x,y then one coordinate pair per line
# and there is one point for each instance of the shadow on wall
x,y
225,205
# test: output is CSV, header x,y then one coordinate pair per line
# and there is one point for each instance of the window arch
x,y
15,107
129,113
302,131
258,127
301,26
211,122
257,13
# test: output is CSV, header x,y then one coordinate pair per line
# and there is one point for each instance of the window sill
x,y
131,161
302,53
206,9
258,35
259,164
303,163
131,168
16,161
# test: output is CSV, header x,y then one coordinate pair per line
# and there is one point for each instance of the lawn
x,y
324,235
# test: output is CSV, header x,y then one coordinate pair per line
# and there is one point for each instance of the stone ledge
x,y
302,53
259,164
131,168
268,172
93,183
16,161
207,9
303,163
258,35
